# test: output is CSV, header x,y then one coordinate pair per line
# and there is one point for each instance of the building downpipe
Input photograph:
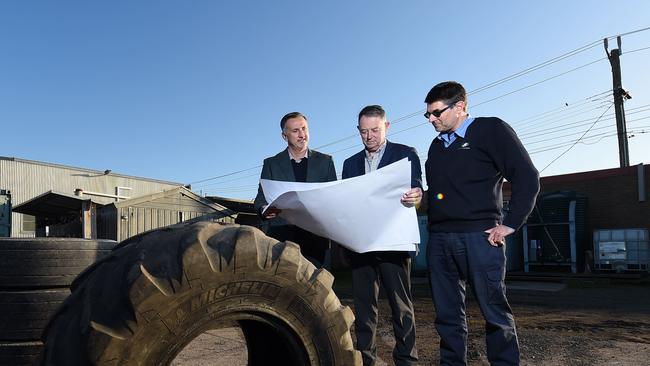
x,y
640,173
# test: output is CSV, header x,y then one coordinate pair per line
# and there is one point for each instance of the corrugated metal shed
x,y
27,179
124,219
53,204
62,215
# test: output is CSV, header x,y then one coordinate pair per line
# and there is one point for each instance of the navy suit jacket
x,y
356,164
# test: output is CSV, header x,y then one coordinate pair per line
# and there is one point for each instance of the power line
x,y
569,143
537,67
423,156
561,109
570,110
615,133
516,75
575,133
556,119
226,175
237,188
398,120
631,32
389,134
542,81
582,140
576,124
317,148
638,49
574,144
601,135
230,180
485,87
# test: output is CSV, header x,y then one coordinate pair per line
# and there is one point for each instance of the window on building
x,y
29,223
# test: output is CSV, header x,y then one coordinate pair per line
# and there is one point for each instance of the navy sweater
x,y
465,179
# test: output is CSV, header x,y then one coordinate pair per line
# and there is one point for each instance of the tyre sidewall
x,y
166,325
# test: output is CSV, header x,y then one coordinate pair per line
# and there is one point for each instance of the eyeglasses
x,y
437,113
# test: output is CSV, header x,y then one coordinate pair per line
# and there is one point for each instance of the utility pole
x,y
619,95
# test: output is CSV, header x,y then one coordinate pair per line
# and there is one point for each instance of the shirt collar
x,y
297,159
371,155
460,131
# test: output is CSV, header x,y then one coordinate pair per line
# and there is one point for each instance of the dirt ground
x,y
583,322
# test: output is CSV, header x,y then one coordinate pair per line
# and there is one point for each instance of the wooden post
x,y
619,93
88,220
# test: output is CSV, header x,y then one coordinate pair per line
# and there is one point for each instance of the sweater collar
x,y
460,131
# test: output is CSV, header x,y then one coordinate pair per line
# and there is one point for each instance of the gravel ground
x,y
583,324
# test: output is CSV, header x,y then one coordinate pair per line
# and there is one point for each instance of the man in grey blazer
x,y
297,163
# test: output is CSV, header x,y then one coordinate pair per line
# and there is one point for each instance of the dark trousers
x,y
392,271
455,259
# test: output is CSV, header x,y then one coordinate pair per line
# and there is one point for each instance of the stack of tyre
x,y
35,276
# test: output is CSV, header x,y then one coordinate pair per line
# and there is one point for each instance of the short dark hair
x,y
372,111
289,116
447,92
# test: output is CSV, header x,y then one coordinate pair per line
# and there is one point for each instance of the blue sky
x,y
191,90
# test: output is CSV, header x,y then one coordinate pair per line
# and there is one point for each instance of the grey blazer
x,y
320,168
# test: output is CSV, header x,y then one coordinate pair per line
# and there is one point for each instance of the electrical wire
x,y
573,126
570,111
574,144
575,133
582,140
551,121
536,67
423,156
475,91
600,136
540,82
561,109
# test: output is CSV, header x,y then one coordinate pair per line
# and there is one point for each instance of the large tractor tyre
x,y
24,314
47,262
20,353
158,291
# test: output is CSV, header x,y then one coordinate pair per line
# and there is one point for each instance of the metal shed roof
x,y
182,190
87,170
53,204
234,204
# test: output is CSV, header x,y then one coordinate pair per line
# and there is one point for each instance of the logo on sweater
x,y
464,146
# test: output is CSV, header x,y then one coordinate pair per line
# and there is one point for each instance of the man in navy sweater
x,y
465,168
391,269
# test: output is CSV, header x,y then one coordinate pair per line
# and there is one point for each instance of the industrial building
x,y
595,220
45,199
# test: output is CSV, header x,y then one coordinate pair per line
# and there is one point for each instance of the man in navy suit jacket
x,y
297,163
391,269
